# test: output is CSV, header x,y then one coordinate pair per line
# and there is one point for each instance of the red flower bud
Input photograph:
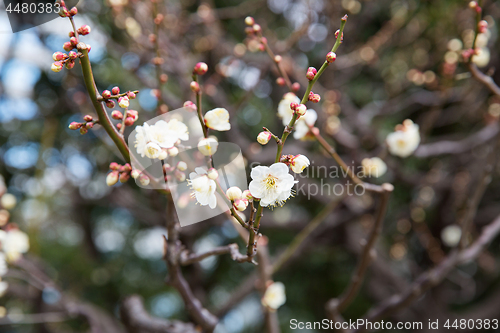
x,y
114,166
110,104
131,95
262,47
71,34
73,55
74,125
58,56
482,26
73,41
293,105
83,130
68,46
127,168
331,56
341,36
70,64
87,118
311,73
115,90
124,177
116,115
190,105
195,87
280,81
73,11
200,68
296,86
249,21
84,30
89,125
129,121
119,126
106,94
133,114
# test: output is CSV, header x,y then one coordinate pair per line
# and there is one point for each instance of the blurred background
x,y
399,60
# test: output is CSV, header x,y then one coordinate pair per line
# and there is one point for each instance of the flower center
x,y
270,182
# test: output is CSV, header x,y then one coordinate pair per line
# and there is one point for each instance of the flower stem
x,y
198,108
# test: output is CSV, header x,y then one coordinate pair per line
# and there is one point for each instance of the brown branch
x,y
136,319
336,306
187,258
483,78
434,276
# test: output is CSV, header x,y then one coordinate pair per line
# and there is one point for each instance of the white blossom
x,y
405,140
272,185
208,146
299,163
301,127
203,188
233,193
150,139
218,119
8,201
373,167
284,110
14,243
451,235
275,296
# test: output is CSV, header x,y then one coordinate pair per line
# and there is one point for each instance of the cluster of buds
x,y
62,59
315,98
253,31
84,126
118,172
264,137
475,6
177,171
331,57
129,118
123,99
200,68
300,109
311,73
238,198
63,10
482,26
297,163
341,36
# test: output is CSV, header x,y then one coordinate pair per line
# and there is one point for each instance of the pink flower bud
x,y
280,81
63,12
179,175
135,173
341,36
256,28
106,94
119,126
87,118
249,21
115,90
212,173
89,125
133,114
200,68
68,46
293,105
262,47
73,41
57,66
277,59
83,130
70,64
84,30
331,56
58,56
144,180
478,9
74,125
131,95
190,105
112,178
246,195
127,167
263,40
301,109
129,121
73,55
296,86
123,102
124,177
240,204
311,73
344,18
264,137
114,166
89,47
110,104
71,34
482,26
315,98
195,87
73,11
